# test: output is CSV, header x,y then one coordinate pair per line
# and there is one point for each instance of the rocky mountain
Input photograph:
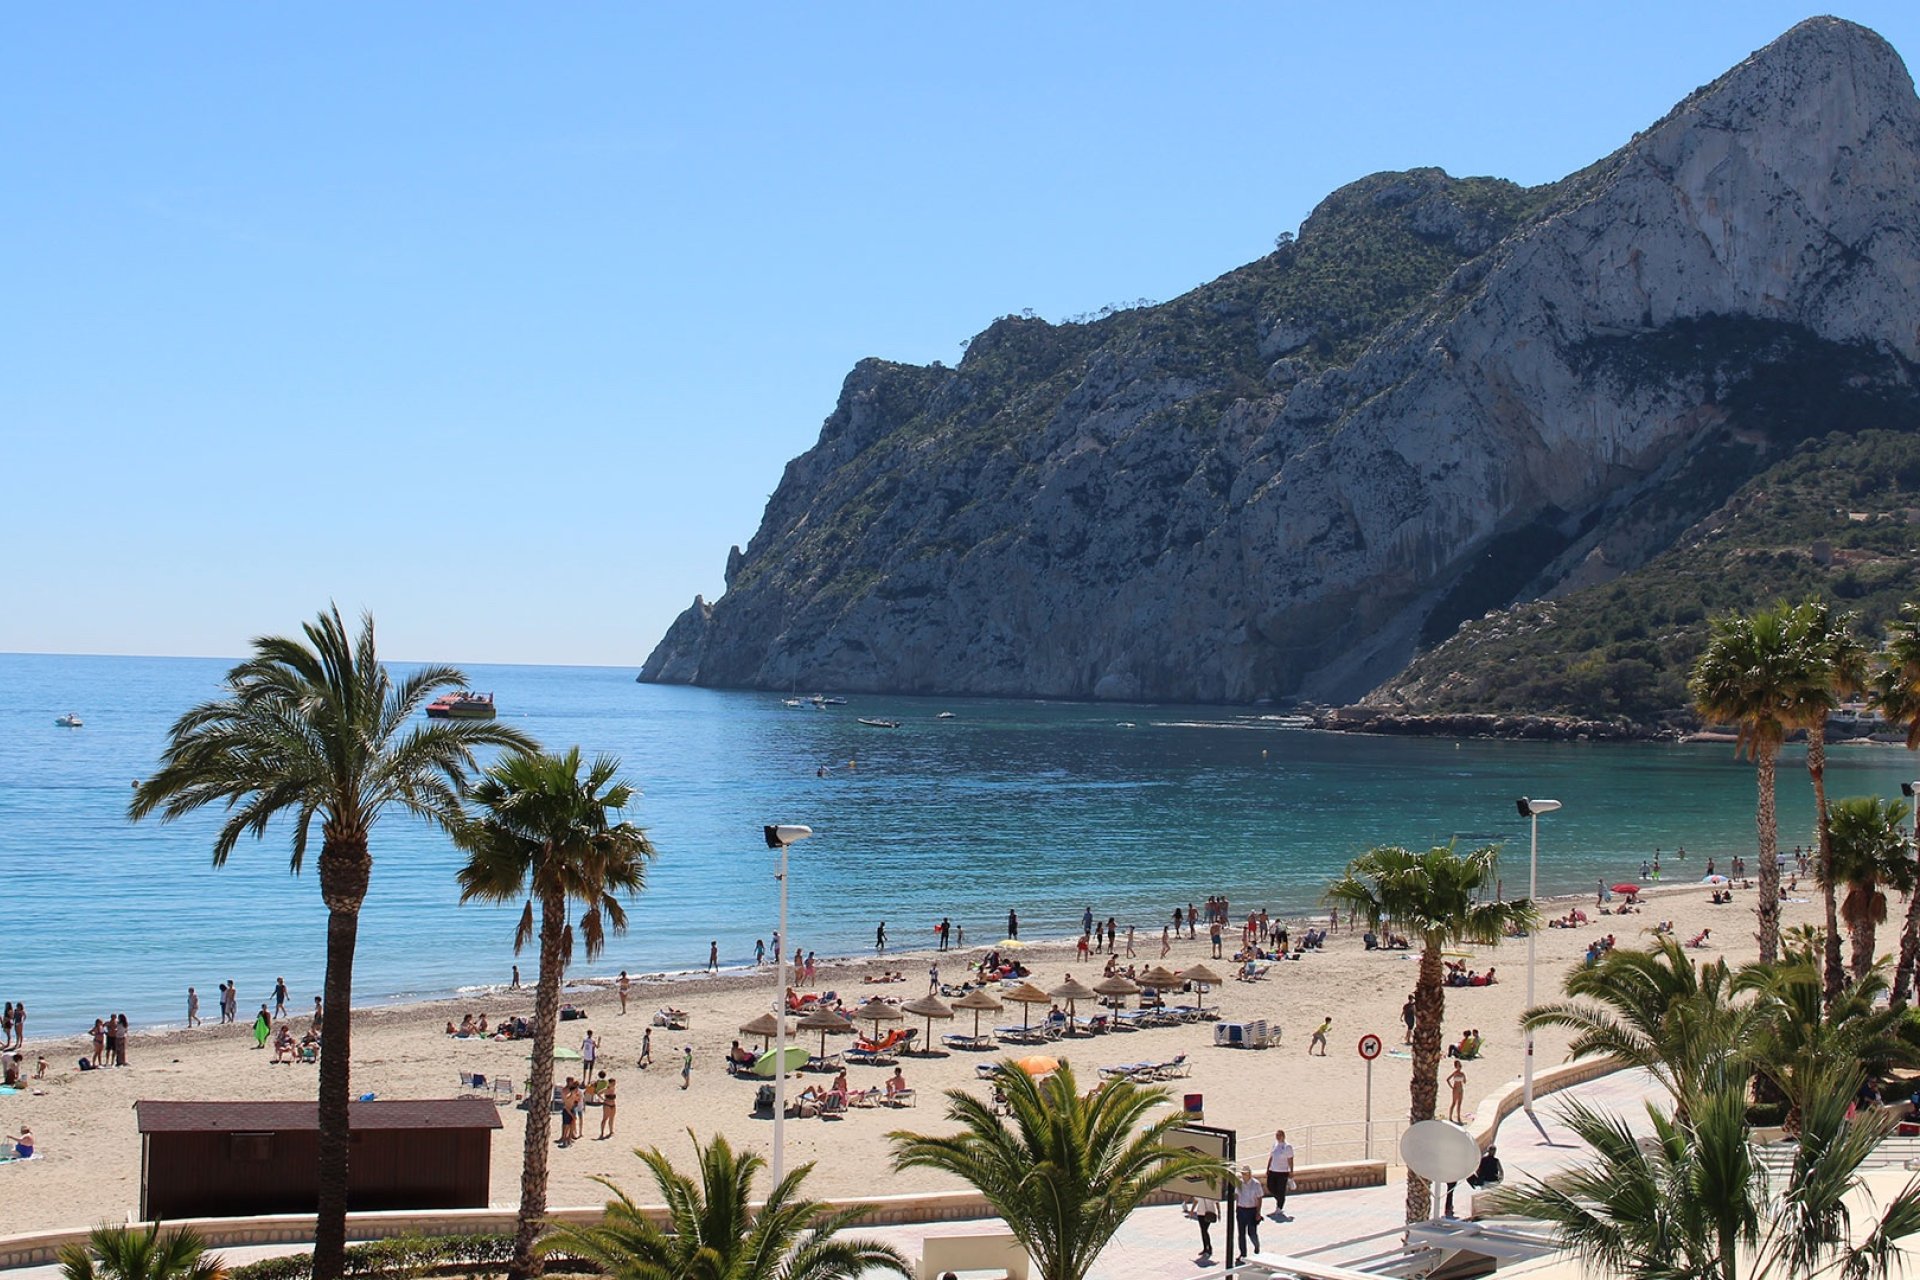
x,y
1444,396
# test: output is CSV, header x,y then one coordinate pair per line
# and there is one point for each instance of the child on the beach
x,y
1320,1037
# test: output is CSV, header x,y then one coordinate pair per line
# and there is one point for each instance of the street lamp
x,y
1531,810
781,838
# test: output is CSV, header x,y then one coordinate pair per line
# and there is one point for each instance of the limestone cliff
x,y
1443,396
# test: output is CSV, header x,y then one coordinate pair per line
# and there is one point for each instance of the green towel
x,y
261,1030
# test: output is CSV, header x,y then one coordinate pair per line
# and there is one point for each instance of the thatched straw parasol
x,y
827,1023
1114,990
766,1026
1073,991
980,1001
928,1007
1201,977
876,1011
1028,995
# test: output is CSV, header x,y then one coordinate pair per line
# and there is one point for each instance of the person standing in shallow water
x,y
713,956
880,938
1013,926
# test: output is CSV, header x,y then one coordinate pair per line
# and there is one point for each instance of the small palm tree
x,y
1437,898
1897,691
1694,1204
713,1233
1655,1009
126,1253
1838,667
1064,1170
319,730
1754,675
548,833
1869,855
1796,1038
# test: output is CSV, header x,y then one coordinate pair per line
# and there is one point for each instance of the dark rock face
x,y
1445,395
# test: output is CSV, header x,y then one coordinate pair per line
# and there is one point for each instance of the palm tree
x,y
318,729
1795,1036
1437,898
1656,1009
1869,854
126,1253
1064,1170
1693,1203
1897,690
713,1232
1753,675
1838,668
548,833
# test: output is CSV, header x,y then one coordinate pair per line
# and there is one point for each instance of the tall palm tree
x,y
1438,898
1693,1203
1753,675
546,832
1064,1170
1837,668
1869,855
1897,690
129,1253
1656,1009
714,1233
317,729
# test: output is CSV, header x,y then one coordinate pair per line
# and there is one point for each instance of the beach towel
x,y
261,1029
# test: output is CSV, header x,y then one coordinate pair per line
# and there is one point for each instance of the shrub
x,y
400,1258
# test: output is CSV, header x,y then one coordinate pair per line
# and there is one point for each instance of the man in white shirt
x,y
1279,1173
1246,1209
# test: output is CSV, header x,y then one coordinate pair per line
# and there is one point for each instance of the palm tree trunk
x,y
1909,950
345,869
1836,975
1429,1020
1769,909
1861,933
546,1017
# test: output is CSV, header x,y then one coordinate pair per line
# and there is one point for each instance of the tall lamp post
x,y
781,838
1531,810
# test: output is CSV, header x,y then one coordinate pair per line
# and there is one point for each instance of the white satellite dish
x,y
1439,1151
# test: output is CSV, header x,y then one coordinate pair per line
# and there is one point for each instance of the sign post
x,y
1218,1144
1369,1050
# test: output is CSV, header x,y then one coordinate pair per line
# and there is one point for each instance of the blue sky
x,y
502,322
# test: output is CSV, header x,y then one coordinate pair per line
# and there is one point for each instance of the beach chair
x,y
971,1043
899,1098
1125,1070
834,1104
826,1062
503,1090
1174,1068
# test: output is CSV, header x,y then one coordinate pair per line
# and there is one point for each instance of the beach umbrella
x,y
1038,1065
1026,994
1626,888
766,1026
1010,944
827,1023
797,1055
1202,978
1114,990
1716,879
928,1007
1160,978
1073,991
876,1011
979,1001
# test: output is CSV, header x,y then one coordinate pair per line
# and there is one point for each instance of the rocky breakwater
x,y
1442,397
1536,728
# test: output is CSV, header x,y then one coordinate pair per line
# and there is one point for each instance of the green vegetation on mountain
x,y
1837,520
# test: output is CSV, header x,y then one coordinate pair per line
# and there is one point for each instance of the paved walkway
x,y
1162,1244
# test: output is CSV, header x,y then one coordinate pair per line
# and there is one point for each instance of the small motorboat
x,y
879,724
828,700
69,721
790,702
944,715
461,705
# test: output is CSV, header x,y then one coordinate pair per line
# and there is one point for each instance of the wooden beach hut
x,y
237,1159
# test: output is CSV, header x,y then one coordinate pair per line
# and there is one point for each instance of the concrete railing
x,y
42,1247
1497,1106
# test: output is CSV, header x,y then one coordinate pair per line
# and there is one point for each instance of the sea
x,y
1046,808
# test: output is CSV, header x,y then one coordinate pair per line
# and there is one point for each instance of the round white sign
x,y
1369,1047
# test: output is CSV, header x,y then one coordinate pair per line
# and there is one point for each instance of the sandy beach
x,y
90,1168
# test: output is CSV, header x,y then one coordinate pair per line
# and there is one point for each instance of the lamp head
x,y
1534,808
1910,789
786,835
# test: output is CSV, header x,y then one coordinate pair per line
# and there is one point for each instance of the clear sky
x,y
503,320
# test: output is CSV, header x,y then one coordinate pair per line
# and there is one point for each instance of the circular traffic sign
x,y
1369,1047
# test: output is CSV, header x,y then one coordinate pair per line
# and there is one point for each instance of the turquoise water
x,y
1044,807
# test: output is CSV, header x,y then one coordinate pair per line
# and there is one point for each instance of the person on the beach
x,y
1457,1082
759,952
686,1066
589,1050
515,984
1206,1213
933,978
1406,1016
1129,942
279,997
22,1143
811,966
622,987
314,1028
1279,1173
1213,936
193,1010
1193,922
1178,919
646,1048
233,1001
607,1106
1320,1037
1604,895
1166,943
1246,1204
119,1040
220,1004
1013,925
1086,920
99,1041
880,938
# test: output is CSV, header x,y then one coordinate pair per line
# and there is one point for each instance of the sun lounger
x,y
1127,1071
974,1043
1174,1068
1017,1034
828,1062
900,1098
